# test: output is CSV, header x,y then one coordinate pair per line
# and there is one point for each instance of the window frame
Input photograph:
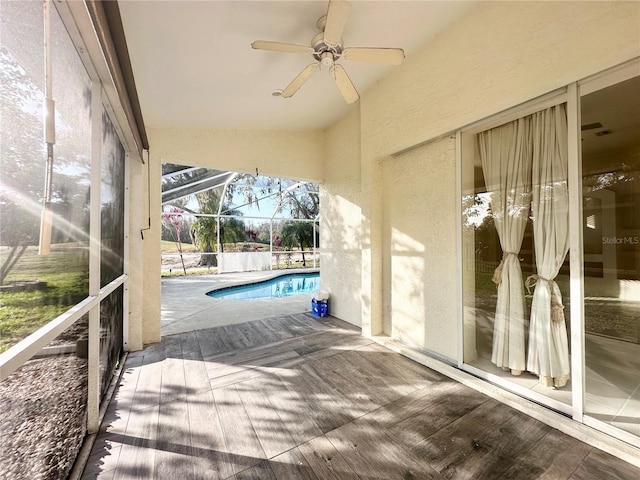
x,y
78,25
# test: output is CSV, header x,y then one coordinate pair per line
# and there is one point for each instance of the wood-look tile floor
x,y
300,397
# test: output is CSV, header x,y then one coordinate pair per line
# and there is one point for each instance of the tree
x,y
168,231
205,229
302,201
250,188
204,236
23,150
252,235
231,230
174,217
264,232
22,177
298,234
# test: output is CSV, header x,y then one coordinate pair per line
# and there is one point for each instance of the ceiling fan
x,y
326,48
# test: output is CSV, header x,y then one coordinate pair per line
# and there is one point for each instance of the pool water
x,y
282,286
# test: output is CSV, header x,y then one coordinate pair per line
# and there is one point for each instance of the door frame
x,y
571,95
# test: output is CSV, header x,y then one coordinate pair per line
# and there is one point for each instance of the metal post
x,y
218,241
126,266
46,218
576,253
271,242
314,244
224,193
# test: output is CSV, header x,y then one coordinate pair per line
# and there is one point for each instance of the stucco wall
x,y
498,55
135,264
151,251
419,230
296,155
340,219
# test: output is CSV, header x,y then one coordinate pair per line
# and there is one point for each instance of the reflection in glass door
x,y
611,244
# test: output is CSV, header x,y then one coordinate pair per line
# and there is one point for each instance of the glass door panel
x,y
515,255
611,242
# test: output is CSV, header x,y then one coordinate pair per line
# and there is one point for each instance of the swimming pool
x,y
282,286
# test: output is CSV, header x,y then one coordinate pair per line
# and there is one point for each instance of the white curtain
x,y
548,353
506,164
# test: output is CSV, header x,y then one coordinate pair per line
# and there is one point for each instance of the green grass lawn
x,y
22,312
167,246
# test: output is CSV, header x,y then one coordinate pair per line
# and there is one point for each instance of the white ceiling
x,y
194,65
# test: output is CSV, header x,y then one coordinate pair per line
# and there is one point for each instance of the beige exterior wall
x,y
135,264
419,247
497,56
151,253
341,220
296,155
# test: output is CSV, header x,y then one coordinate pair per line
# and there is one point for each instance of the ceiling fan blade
x,y
280,47
344,84
297,82
388,56
337,15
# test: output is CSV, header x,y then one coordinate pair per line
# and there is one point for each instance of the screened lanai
x,y
388,386
225,221
222,230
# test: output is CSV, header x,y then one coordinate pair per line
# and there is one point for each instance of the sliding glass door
x,y
551,251
610,119
515,253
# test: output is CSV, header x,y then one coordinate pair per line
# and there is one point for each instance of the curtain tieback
x,y
497,273
557,308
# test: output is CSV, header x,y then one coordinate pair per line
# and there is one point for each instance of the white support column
x,y
136,213
371,246
218,240
93,394
576,286
314,243
271,242
46,217
224,192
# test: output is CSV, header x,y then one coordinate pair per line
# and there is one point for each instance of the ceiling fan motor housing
x,y
322,52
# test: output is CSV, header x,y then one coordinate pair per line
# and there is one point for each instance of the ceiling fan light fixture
x,y
327,59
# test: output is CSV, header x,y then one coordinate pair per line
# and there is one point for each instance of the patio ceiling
x,y
194,65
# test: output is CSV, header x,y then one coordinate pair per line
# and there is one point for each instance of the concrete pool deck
x,y
186,307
